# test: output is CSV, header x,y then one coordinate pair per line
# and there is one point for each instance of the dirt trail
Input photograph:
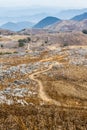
x,y
42,93
53,58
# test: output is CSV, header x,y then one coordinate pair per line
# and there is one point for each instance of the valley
x,y
43,65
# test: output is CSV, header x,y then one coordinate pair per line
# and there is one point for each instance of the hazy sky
x,y
57,3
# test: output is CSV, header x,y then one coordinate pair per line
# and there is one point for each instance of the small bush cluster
x,y
3,53
23,41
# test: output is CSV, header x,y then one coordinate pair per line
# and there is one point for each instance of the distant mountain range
x,y
46,21
68,14
77,23
35,14
51,23
16,26
80,17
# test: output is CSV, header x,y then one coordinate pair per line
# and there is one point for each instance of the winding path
x,y
42,93
44,96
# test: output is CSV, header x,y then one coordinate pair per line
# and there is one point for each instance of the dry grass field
x,y
44,88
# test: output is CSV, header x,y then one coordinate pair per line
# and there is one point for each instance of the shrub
x,y
22,40
21,44
46,41
28,39
84,31
2,46
65,44
1,53
15,52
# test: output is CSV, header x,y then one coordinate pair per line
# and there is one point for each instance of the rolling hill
x,y
6,32
68,25
46,21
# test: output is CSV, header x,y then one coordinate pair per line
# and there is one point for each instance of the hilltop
x,y
46,21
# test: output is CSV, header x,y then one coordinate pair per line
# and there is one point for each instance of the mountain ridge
x,y
80,17
16,26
